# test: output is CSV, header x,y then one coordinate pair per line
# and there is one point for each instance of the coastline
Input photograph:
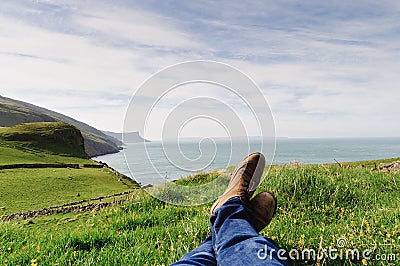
x,y
288,151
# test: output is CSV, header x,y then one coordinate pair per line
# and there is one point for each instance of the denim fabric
x,y
234,241
203,255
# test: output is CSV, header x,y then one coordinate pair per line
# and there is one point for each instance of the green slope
x,y
14,112
32,141
51,143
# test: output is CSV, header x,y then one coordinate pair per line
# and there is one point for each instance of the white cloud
x,y
140,28
320,65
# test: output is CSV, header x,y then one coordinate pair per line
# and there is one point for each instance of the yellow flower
x,y
38,248
364,261
302,236
33,260
75,253
6,262
179,236
273,237
388,235
171,248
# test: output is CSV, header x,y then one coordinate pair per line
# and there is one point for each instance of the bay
x,y
157,162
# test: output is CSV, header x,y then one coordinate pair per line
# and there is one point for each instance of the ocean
x,y
157,162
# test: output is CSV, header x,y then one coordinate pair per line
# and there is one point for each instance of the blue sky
x,y
327,68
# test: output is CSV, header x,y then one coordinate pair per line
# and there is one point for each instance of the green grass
x,y
40,140
32,189
10,155
317,205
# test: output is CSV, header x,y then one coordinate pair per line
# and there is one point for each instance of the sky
x,y
326,68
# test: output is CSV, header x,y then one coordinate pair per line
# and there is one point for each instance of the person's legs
x,y
251,168
234,237
203,255
235,226
263,208
236,241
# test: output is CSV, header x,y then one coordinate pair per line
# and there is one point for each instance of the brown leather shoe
x,y
244,180
264,208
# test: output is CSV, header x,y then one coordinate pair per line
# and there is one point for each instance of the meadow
x,y
319,206
33,189
22,189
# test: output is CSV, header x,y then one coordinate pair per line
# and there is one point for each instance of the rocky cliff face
x,y
13,112
127,137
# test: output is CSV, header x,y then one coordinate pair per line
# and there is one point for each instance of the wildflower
x,y
364,261
171,248
38,248
75,253
179,236
273,237
302,236
388,235
6,262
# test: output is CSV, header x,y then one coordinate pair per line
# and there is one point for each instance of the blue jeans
x,y
233,241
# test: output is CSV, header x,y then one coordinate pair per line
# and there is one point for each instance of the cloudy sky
x,y
327,68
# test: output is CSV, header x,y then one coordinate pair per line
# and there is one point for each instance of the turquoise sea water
x,y
155,162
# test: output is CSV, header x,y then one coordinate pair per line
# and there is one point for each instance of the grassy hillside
x,y
13,112
49,142
33,189
318,204
52,138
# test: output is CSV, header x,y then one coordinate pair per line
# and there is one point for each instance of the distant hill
x,y
129,137
14,112
57,138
